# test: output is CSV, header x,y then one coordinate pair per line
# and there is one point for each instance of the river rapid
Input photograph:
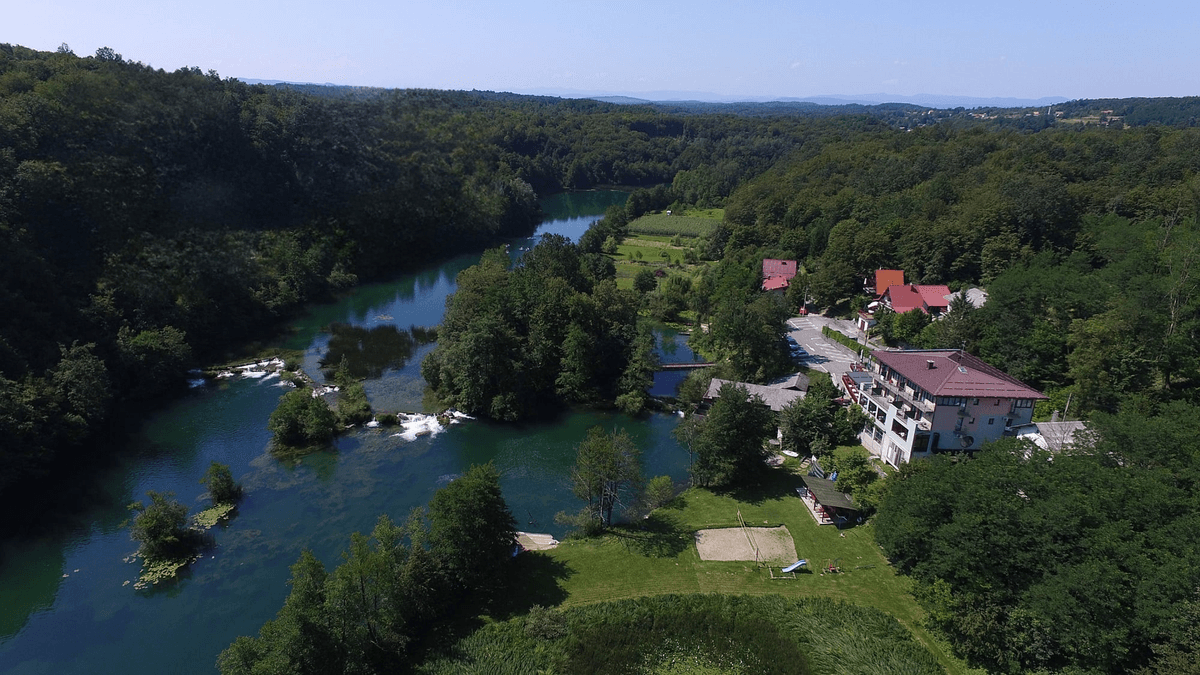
x,y
67,601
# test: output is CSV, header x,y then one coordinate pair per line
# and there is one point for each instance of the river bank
x,y
312,502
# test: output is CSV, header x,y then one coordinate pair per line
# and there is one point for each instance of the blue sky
x,y
734,48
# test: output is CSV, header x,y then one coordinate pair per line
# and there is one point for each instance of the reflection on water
x,y
368,352
55,620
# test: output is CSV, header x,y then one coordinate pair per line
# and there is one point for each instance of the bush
x,y
545,623
660,490
161,527
221,487
387,419
302,419
353,407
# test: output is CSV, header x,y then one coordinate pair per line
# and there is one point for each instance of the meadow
x,y
657,556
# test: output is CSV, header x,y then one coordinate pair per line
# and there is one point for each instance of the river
x,y
67,602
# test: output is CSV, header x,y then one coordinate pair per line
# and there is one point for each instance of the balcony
x,y
898,395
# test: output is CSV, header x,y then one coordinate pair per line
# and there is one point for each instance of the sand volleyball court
x,y
773,544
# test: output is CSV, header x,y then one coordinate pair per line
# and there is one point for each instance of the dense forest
x,y
150,221
556,328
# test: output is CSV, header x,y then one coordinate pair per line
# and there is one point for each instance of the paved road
x,y
823,353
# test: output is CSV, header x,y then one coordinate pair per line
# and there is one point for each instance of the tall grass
x,y
694,634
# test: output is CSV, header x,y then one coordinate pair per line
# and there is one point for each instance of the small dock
x,y
530,541
685,366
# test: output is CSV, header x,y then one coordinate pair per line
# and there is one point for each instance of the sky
x,y
730,48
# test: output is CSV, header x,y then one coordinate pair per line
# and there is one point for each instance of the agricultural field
x,y
652,252
658,556
694,224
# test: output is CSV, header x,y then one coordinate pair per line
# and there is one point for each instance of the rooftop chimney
x,y
930,364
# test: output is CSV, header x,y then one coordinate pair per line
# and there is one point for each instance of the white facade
x,y
907,421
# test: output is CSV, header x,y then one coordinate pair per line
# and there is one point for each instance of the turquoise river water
x,y
67,602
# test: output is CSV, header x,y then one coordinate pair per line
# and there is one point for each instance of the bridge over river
x,y
684,366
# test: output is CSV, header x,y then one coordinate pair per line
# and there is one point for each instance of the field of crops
x,y
662,224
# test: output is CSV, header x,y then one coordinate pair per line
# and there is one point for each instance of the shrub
x,y
302,419
660,490
221,487
161,527
353,407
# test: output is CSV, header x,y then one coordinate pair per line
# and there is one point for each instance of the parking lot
x,y
823,353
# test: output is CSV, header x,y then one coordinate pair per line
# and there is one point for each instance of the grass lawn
x,y
658,556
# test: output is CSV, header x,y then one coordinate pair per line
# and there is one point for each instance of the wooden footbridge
x,y
685,366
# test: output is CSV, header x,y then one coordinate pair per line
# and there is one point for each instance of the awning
x,y
827,494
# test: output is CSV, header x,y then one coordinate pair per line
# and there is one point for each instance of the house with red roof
x,y
930,299
922,401
885,279
777,273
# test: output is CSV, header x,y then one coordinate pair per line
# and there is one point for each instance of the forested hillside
x,y
1086,240
150,220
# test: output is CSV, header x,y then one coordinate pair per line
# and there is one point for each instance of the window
x,y
1024,403
996,402
975,402
991,421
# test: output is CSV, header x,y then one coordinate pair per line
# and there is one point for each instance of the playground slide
x,y
796,565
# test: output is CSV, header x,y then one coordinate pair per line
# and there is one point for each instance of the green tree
x,y
731,445
472,532
659,492
750,336
161,527
805,421
155,360
222,489
907,327
855,475
82,379
833,282
352,404
299,640
607,473
301,419
644,281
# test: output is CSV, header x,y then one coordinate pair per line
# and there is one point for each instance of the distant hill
x,y
939,101
933,101
899,111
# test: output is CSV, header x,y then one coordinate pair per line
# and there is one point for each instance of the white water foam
x,y
419,425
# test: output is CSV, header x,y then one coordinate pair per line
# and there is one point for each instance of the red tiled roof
x,y
954,373
885,278
934,296
912,296
775,283
778,268
905,299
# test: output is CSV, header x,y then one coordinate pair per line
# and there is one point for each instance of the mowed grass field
x,y
658,556
691,224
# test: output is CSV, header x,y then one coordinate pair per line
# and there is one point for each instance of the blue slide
x,y
796,565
